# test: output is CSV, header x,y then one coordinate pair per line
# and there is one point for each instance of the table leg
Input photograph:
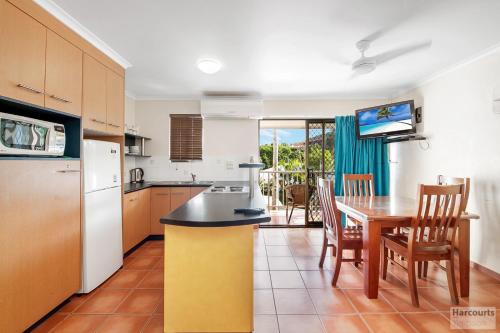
x,y
371,257
464,256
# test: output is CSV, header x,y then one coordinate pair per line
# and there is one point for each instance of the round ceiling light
x,y
209,66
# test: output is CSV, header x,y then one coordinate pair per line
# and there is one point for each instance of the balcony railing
x,y
273,184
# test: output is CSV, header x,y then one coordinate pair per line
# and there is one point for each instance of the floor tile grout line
x,y
272,289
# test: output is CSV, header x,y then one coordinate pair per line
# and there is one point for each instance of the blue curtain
x,y
359,156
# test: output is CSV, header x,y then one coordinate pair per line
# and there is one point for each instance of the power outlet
x,y
229,165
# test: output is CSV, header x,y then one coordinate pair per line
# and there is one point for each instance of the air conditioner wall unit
x,y
231,108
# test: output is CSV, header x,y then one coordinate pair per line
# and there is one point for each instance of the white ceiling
x,y
285,48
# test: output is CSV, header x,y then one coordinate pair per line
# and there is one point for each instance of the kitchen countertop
x,y
132,187
217,209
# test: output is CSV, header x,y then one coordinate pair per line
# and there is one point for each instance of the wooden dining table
x,y
378,212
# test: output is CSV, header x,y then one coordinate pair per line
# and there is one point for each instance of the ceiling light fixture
x,y
209,66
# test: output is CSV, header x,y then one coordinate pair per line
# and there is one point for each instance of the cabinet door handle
x,y
98,121
68,171
177,193
23,86
59,99
162,193
131,200
113,125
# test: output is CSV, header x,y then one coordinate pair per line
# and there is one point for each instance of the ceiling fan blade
x,y
390,55
375,35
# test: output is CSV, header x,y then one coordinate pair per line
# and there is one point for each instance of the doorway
x,y
295,153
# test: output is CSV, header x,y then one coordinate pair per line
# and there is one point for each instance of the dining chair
x,y
333,234
447,180
358,185
439,209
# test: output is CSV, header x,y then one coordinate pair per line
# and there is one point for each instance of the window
x,y
185,137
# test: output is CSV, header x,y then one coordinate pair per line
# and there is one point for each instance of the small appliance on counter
x,y
136,175
30,136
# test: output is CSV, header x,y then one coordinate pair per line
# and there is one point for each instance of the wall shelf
x,y
403,138
136,140
137,155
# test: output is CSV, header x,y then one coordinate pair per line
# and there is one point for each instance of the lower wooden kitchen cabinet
x,y
160,206
166,199
136,218
39,239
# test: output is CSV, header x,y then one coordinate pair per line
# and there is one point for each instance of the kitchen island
x,y
209,263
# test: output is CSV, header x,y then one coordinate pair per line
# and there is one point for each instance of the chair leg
x,y
452,282
291,213
323,251
412,281
338,263
384,261
419,269
286,211
357,256
426,268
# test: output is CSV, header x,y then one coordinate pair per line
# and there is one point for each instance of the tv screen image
x,y
384,120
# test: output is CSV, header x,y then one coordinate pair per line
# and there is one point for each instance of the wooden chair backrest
x,y
446,180
440,206
359,185
331,215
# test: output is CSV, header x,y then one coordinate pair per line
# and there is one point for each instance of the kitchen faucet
x,y
193,176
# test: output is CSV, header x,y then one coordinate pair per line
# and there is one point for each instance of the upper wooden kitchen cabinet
x,y
22,55
115,102
160,206
103,98
94,94
39,239
63,81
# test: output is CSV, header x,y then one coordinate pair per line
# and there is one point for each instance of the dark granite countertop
x,y
132,187
217,209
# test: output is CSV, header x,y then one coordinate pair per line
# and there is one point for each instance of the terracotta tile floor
x,y
291,294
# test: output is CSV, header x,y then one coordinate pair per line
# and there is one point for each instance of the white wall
x,y
464,140
129,120
224,141
326,108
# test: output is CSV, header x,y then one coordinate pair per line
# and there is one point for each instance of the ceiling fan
x,y
365,65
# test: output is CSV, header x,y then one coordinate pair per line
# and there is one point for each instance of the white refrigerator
x,y
102,226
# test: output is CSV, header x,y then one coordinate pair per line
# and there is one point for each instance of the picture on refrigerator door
x,y
387,119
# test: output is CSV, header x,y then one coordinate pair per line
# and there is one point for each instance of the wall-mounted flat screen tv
x,y
384,120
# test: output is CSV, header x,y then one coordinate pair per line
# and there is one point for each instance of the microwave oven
x,y
29,136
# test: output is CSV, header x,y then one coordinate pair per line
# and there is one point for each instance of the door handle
x,y
59,99
98,121
25,87
113,125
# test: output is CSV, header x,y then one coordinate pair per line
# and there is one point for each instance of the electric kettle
x,y
136,175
